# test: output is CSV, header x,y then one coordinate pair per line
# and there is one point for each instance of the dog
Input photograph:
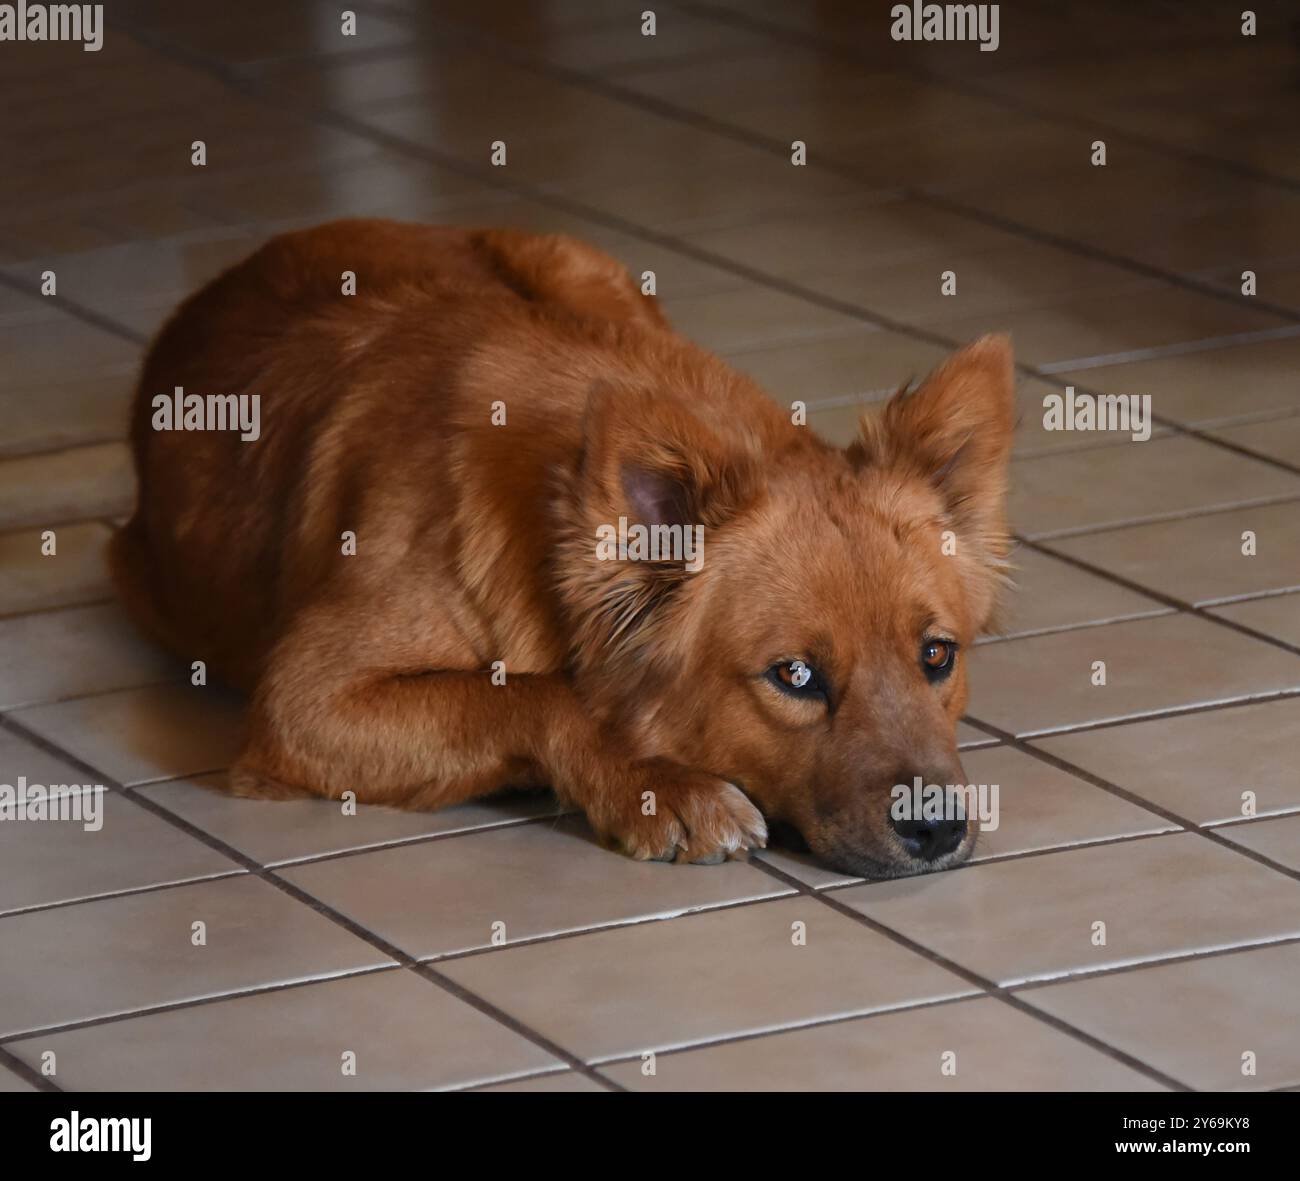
x,y
402,569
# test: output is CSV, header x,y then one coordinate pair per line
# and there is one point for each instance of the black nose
x,y
929,840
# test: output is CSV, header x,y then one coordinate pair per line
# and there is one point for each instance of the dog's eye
x,y
937,658
797,678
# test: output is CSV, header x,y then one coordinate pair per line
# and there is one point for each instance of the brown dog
x,y
405,571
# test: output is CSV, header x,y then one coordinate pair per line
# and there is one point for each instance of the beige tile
x,y
1044,683
60,348
734,320
405,1034
1216,385
1199,559
973,1045
1124,318
968,736
11,1084
76,573
1040,807
61,654
273,832
869,363
1033,917
1195,1020
1051,594
1277,839
1278,437
1034,436
746,975
114,845
1198,765
140,735
142,953
19,756
803,867
1080,491
1277,616
565,1080
415,897
50,489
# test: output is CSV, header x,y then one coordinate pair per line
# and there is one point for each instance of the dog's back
x,y
227,537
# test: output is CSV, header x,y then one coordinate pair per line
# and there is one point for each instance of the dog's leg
x,y
425,740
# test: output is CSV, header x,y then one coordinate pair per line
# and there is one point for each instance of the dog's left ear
x,y
956,430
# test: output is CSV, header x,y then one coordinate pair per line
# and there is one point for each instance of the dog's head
x,y
814,651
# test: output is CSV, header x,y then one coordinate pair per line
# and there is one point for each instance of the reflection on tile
x,y
415,895
145,952
952,1047
1159,897
61,654
1197,1021
277,831
1200,766
1050,682
76,572
378,1031
793,961
139,735
47,490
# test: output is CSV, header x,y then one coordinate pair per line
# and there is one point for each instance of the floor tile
x,y
1277,437
1051,595
533,880
1080,491
21,757
565,1080
960,1046
1041,807
1215,385
1045,683
140,735
404,1033
1195,1020
746,974
117,955
274,832
1034,918
77,572
1198,765
48,490
61,654
1199,559
64,412
1277,616
734,320
115,845
1277,839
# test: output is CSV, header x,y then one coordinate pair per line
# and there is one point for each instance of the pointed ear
x,y
649,459
956,430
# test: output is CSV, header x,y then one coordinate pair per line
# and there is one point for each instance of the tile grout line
x,y
495,48
407,962
1168,814
29,1074
989,988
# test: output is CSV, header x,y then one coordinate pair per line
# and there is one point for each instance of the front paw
x,y
688,816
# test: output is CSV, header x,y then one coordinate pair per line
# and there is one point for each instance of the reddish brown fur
x,y
476,543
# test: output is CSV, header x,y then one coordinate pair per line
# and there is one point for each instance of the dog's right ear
x,y
647,460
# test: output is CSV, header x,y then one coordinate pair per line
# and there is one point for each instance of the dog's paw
x,y
687,816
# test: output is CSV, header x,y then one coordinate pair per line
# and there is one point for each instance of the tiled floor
x,y
1134,920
